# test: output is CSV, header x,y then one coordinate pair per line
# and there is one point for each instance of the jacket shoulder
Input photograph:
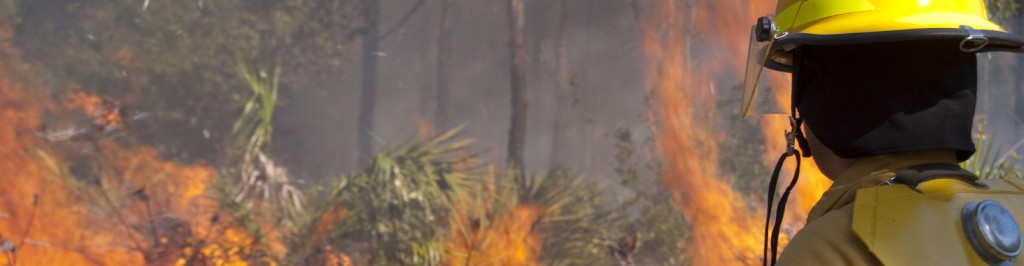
x,y
827,241
903,226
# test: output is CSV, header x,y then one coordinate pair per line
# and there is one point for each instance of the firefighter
x,y
883,99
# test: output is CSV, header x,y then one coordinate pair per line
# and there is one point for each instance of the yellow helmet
x,y
846,22
840,22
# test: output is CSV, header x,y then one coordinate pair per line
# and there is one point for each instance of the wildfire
x,y
497,236
726,231
510,240
76,201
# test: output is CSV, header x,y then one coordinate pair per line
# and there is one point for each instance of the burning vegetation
x,y
81,198
726,226
78,189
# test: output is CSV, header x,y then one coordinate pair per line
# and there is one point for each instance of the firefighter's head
x,y
873,77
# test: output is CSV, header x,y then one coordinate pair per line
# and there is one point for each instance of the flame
x,y
812,182
725,230
105,113
424,128
97,202
516,236
509,239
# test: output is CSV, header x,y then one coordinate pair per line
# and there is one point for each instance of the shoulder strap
x,y
915,175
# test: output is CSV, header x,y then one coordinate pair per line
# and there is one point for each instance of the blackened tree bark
x,y
517,131
444,48
368,96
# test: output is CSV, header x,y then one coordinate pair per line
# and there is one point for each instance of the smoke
x,y
317,126
1001,102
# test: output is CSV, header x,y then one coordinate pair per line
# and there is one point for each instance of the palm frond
x,y
399,204
263,182
985,164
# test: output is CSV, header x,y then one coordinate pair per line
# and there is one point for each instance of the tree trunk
x,y
1015,87
368,98
517,131
444,48
563,96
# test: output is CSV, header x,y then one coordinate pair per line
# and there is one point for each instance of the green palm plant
x,y
393,212
572,220
399,204
583,224
479,208
401,210
263,181
986,164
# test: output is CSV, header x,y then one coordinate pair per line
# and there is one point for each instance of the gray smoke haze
x,y
1001,100
317,125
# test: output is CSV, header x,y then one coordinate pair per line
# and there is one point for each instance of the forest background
x,y
394,132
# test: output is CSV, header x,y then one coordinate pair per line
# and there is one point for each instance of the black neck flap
x,y
872,99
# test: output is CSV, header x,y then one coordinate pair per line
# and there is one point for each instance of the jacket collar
x,y
869,172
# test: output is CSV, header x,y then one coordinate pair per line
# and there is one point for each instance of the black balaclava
x,y
873,99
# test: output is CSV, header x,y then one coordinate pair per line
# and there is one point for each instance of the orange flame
x,y
424,128
726,231
65,203
812,182
104,112
509,239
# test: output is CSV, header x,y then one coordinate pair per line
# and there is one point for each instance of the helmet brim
x,y
781,57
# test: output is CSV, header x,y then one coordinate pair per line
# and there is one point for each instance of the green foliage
x,y
986,165
1002,11
600,226
263,182
480,207
583,229
742,156
399,210
654,219
181,55
253,130
9,10
395,210
399,204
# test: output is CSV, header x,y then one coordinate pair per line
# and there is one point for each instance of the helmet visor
x,y
759,95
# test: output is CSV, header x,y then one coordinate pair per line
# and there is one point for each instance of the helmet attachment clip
x,y
791,135
975,40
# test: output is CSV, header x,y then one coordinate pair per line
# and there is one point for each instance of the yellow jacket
x,y
859,222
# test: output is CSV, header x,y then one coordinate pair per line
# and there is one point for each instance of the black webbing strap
x,y
780,210
772,183
915,175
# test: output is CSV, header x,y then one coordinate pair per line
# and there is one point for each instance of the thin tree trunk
x,y
444,48
563,100
517,131
1015,87
371,41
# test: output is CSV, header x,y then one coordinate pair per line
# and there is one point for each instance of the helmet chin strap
x,y
794,136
